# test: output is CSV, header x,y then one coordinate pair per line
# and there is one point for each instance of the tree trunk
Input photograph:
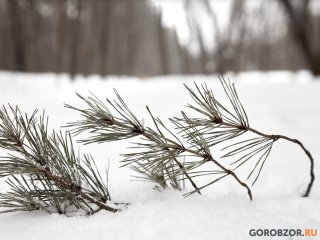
x,y
300,28
75,41
17,35
164,60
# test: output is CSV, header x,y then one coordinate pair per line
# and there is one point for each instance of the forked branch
x,y
222,125
157,156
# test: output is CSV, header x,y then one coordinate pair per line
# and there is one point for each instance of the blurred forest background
x,y
159,37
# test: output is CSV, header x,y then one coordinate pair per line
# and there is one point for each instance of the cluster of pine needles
x,y
44,173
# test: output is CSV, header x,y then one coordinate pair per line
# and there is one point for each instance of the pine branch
x,y
44,173
275,137
157,155
203,151
51,178
104,126
221,125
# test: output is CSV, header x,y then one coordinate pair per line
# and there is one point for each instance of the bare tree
x,y
303,25
163,47
17,34
60,22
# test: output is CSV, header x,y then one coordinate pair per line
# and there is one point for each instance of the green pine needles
x,y
44,173
43,170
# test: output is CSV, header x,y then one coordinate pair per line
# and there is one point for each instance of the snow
x,y
276,102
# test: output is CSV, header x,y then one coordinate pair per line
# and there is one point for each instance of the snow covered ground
x,y
276,102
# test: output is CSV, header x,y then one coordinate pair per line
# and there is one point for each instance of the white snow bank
x,y
223,211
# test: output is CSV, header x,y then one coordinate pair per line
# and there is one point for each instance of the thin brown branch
x,y
187,175
77,189
144,132
276,137
228,171
61,182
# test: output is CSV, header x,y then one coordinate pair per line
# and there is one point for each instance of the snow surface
x,y
276,102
